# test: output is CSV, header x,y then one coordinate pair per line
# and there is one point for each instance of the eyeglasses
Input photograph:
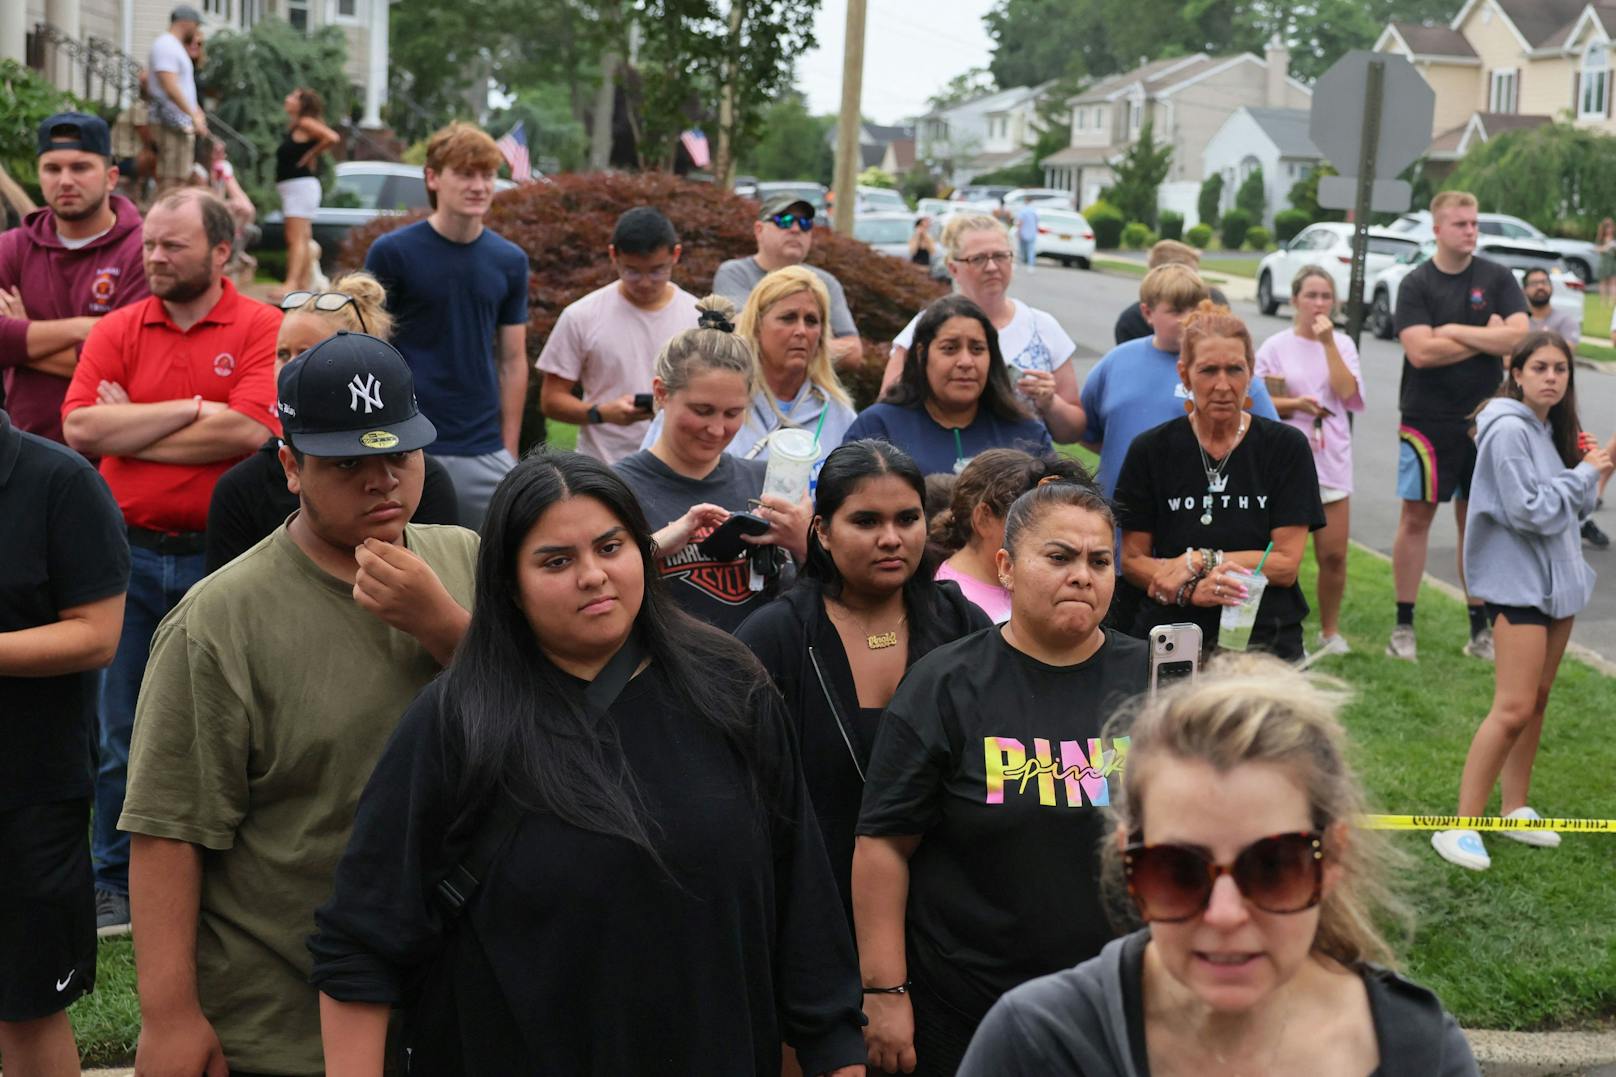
x,y
1282,873
786,220
326,302
980,261
634,276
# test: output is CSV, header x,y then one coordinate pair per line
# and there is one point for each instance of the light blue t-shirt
x,y
1135,388
1027,223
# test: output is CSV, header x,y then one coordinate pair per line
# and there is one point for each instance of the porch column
x,y
64,15
376,74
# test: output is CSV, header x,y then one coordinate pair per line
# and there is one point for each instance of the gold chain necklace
x,y
876,641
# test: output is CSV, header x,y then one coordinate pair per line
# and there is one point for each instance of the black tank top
x,y
287,155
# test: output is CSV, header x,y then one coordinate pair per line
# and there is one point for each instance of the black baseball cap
x,y
75,131
185,13
351,395
784,202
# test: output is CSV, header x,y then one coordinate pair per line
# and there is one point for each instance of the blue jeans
x,y
1029,250
157,582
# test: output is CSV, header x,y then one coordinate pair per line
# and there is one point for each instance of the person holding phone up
x,y
1313,377
703,387
975,868
604,344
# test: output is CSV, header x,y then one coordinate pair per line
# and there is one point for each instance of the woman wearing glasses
x,y
1262,952
251,499
955,398
971,872
1036,348
787,319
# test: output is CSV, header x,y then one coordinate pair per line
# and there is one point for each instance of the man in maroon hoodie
x,y
64,268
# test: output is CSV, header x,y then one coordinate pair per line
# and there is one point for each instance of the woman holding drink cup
x,y
1215,507
703,387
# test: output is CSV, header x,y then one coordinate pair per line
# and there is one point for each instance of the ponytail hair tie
x,y
1048,480
715,319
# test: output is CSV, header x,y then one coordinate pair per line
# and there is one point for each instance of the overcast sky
x,y
906,58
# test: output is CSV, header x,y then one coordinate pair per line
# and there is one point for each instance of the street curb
x,y
1585,655
1542,1054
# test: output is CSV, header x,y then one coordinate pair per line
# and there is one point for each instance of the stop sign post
x,y
1371,118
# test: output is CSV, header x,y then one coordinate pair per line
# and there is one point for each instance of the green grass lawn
x,y
1234,267
1529,944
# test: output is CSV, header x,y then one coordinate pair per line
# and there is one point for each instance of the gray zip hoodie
x,y
1522,543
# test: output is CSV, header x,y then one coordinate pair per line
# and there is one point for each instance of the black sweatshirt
x,y
251,500
579,955
798,645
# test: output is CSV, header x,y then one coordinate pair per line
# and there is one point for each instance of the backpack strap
x,y
504,815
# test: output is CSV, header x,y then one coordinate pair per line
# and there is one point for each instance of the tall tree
x,y
1547,174
792,144
970,83
1139,176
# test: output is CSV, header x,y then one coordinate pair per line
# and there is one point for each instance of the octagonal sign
x,y
1406,106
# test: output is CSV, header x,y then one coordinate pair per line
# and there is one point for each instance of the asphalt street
x,y
1087,303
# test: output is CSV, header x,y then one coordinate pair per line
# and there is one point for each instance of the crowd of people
x,y
650,758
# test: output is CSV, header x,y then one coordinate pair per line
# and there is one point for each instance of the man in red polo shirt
x,y
169,392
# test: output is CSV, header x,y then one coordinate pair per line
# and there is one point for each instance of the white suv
x,y
1581,257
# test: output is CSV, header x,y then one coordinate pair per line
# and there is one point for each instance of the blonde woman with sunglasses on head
x,y
251,499
1261,952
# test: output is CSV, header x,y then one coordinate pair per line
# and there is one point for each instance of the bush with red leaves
x,y
564,227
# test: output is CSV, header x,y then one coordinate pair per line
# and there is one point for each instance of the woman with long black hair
x,y
864,610
654,896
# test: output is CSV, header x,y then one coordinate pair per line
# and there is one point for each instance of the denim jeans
x,y
157,582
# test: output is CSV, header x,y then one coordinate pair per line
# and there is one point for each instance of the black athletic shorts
x,y
47,909
1436,459
1519,615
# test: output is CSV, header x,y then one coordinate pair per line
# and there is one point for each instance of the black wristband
x,y
901,989
595,417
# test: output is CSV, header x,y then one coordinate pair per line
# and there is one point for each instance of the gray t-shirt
x,y
737,277
168,54
1559,321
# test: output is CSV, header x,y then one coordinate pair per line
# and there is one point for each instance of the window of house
x,y
347,10
1501,97
1595,81
1078,118
297,13
1099,117
217,8
1136,111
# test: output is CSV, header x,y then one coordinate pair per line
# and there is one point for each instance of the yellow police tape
x,y
1484,822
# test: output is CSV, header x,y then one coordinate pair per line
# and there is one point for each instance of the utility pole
x,y
850,120
724,159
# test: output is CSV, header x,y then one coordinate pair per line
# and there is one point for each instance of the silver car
x,y
1581,257
1568,292
887,232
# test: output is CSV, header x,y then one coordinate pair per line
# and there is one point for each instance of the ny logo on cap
x,y
367,392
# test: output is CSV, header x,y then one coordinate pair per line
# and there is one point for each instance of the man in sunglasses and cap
x,y
271,690
785,234
68,264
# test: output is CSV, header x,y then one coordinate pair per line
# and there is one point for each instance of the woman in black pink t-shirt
x,y
1200,498
974,869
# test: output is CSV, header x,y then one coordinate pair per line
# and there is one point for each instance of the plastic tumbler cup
x,y
1234,625
791,460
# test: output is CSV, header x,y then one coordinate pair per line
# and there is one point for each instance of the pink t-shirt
x,y
609,346
993,601
1301,362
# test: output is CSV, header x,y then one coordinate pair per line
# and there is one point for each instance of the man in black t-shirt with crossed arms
x,y
1457,317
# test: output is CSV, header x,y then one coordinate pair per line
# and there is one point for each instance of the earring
x,y
1189,407
1246,404
1004,581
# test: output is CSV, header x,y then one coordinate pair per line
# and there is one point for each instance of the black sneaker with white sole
x,y
1593,536
111,914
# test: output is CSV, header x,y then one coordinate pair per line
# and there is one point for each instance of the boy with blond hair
x,y
454,287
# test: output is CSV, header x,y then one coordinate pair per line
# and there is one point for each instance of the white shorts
x,y
1330,494
299,197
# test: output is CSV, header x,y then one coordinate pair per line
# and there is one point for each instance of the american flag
x,y
513,147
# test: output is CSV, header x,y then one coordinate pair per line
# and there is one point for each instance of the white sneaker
x,y
1328,645
1481,645
1462,847
1402,644
1543,839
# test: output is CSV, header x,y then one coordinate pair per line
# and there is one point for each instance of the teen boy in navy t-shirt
x,y
453,286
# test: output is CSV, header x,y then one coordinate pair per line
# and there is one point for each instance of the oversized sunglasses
x,y
786,220
328,302
1282,873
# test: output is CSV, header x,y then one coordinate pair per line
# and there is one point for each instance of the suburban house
x,y
984,134
1186,98
1273,139
875,145
90,46
1505,64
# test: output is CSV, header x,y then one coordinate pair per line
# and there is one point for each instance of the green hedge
x,y
1172,224
1200,236
1107,222
1288,222
1232,229
1258,238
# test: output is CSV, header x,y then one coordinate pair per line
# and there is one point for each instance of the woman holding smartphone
x,y
973,869
864,610
703,389
1313,377
1535,483
1234,835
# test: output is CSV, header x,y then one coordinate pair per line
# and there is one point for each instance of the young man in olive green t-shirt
x,y
270,692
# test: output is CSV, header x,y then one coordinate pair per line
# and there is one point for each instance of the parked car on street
x,y
1065,236
1040,196
1568,294
1328,244
880,200
992,193
936,207
361,192
1581,257
887,232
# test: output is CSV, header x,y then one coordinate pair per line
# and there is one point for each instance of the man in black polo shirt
x,y
62,580
1457,317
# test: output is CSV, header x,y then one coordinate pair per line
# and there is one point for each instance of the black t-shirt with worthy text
x,y
1431,297
1269,482
996,759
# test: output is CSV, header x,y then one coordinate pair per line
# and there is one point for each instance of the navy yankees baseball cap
x,y
351,395
75,131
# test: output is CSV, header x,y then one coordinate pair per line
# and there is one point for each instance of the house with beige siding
x,y
1506,64
1186,99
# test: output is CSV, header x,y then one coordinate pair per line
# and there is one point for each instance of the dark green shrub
x,y
1172,224
1211,198
1199,237
1136,236
1107,222
1232,229
1288,222
1258,239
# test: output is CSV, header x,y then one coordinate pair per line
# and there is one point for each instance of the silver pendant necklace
x,y
1216,480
